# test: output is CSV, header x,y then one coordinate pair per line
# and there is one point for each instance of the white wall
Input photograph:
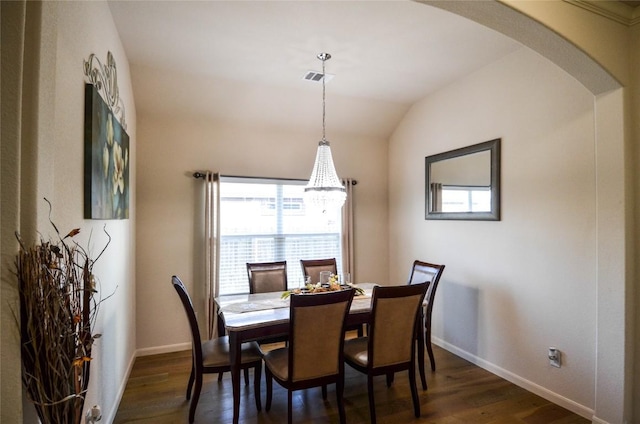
x,y
62,35
169,234
515,287
114,352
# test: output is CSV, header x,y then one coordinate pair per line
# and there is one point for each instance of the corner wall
x,y
635,177
62,35
562,31
509,289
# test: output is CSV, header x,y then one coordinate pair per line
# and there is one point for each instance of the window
x,y
266,220
466,199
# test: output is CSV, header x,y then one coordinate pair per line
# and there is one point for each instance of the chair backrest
x,y
191,316
425,272
267,276
313,267
392,327
316,334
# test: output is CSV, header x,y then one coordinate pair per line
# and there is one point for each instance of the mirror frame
x,y
492,146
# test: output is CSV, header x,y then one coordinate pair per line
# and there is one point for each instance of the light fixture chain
x,y
324,77
324,190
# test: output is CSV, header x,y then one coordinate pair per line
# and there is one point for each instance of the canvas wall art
x,y
106,149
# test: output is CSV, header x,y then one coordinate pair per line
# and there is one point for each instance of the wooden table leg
x,y
234,356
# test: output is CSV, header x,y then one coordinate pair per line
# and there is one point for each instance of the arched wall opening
x,y
614,348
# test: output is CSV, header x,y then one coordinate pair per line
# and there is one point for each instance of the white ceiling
x,y
389,53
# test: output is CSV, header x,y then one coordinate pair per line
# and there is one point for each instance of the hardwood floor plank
x,y
458,393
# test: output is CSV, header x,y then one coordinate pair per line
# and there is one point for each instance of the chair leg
x,y
190,383
196,397
414,390
221,332
324,392
340,399
257,373
289,408
420,342
269,380
427,339
372,404
246,376
390,379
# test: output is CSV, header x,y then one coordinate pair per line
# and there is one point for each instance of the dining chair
x,y
313,267
267,276
389,346
422,272
314,356
212,356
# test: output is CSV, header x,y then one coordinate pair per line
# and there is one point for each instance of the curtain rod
x,y
199,174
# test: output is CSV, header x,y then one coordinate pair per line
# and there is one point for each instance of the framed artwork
x,y
106,153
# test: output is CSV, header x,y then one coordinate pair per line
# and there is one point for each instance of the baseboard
x,y
163,349
111,415
572,406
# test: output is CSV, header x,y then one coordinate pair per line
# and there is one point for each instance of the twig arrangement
x,y
57,312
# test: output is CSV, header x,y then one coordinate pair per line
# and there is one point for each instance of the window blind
x,y
266,220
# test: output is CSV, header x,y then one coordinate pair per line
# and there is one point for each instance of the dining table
x,y
249,317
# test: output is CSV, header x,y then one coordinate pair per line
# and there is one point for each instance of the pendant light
x,y
324,190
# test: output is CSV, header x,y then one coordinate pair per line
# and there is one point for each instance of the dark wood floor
x,y
459,393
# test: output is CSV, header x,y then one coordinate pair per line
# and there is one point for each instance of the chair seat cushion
x,y
277,361
215,352
356,351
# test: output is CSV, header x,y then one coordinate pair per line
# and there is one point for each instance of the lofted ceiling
x,y
395,51
245,60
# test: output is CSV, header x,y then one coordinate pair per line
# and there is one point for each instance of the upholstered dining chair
x,y
212,356
420,273
314,356
267,276
313,267
389,346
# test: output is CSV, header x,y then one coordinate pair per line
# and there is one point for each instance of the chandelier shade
x,y
324,190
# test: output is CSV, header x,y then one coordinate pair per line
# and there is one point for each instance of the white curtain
x,y
348,257
212,249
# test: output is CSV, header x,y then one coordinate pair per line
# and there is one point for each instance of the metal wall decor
x,y
106,144
105,79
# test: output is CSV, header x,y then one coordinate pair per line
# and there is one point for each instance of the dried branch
x,y
57,312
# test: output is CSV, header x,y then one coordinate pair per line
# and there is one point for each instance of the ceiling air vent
x,y
315,76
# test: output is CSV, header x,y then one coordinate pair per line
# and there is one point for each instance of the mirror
x,y
464,183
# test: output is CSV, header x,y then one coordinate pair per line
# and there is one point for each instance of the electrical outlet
x,y
554,357
94,414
